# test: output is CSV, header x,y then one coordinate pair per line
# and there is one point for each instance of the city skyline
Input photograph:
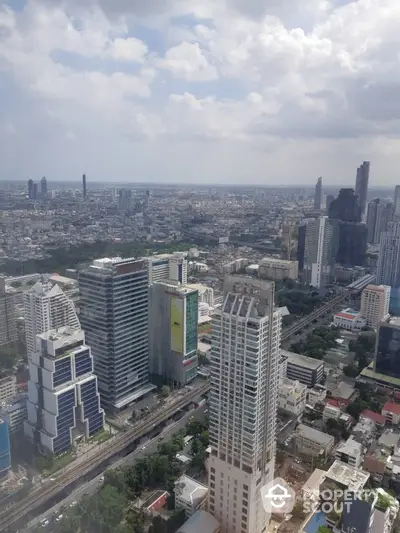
x,y
199,91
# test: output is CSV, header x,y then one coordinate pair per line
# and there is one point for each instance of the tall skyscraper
x,y
375,301
30,189
345,213
361,188
243,403
63,400
8,324
396,206
352,244
328,201
388,268
84,189
35,191
46,307
318,195
43,187
379,215
345,207
320,246
125,200
387,351
173,332
114,303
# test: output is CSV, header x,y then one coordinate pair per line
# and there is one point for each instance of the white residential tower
x,y
243,403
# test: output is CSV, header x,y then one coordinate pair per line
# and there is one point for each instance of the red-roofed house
x,y
392,412
380,420
349,319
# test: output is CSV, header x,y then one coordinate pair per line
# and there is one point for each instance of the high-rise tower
x,y
318,195
43,187
84,189
243,403
46,307
30,189
396,205
63,400
388,268
173,332
317,250
8,324
114,309
361,188
378,217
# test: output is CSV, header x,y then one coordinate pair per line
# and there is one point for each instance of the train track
x,y
300,324
11,515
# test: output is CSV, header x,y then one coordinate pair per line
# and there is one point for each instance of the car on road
x,y
101,480
44,522
59,517
142,449
73,504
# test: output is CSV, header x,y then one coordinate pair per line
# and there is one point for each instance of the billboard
x,y
177,320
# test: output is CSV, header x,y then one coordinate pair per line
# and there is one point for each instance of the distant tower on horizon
x,y
328,201
30,189
396,207
43,187
361,188
84,189
35,191
318,195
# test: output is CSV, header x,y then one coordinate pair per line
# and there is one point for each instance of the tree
x,y
350,371
165,391
298,510
115,478
135,520
158,525
324,529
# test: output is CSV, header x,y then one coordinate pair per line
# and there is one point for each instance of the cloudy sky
x,y
200,91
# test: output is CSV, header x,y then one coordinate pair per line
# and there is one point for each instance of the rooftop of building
x,y
349,314
276,260
389,439
350,447
351,477
200,522
190,490
66,332
62,280
369,374
302,360
290,384
394,321
375,417
392,408
377,288
313,434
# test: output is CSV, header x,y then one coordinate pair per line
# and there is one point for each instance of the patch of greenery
x,y
317,343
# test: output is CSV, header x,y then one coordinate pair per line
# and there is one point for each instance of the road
x,y
107,451
94,485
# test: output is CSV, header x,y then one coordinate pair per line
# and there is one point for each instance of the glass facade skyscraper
x,y
63,400
114,303
387,353
5,455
